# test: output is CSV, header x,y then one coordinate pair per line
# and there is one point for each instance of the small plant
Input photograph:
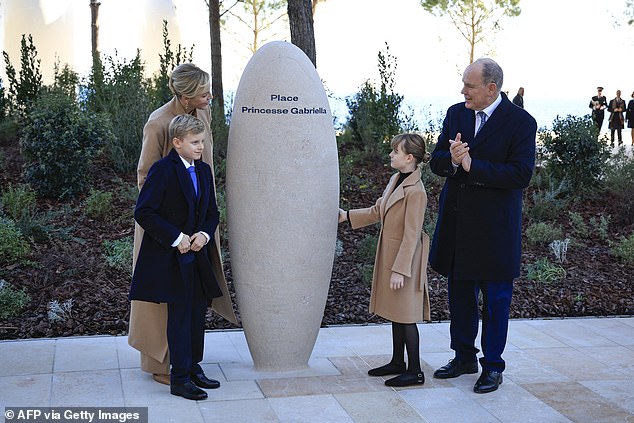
x,y
18,202
560,248
543,233
119,254
60,312
547,204
98,204
544,271
601,227
624,250
11,300
13,247
579,226
367,248
367,271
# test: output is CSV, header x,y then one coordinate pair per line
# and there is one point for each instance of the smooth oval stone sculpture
x,y
282,204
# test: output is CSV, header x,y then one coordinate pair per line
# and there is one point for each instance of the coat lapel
x,y
398,193
493,124
183,177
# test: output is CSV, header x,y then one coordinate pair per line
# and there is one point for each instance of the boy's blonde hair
x,y
413,144
183,125
188,80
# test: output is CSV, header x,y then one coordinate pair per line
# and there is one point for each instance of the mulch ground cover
x,y
71,265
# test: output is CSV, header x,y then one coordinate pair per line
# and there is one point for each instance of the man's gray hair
x,y
491,72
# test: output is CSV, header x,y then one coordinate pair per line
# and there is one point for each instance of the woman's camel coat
x,y
148,321
403,247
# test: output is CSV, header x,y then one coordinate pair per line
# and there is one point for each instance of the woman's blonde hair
x,y
413,144
188,80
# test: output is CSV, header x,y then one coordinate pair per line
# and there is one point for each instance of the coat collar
x,y
494,122
184,179
396,194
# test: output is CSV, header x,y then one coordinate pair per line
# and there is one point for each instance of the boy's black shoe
x,y
188,390
203,381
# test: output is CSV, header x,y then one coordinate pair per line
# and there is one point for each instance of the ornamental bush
x,y
59,143
573,152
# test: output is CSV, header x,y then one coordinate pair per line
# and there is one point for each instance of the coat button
x,y
461,186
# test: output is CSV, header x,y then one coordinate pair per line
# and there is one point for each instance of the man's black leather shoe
x,y
188,390
488,381
202,381
456,368
388,369
406,379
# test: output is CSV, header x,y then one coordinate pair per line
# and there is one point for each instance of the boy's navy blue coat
x,y
166,207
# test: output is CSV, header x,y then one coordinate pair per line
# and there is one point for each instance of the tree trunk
x,y
216,56
94,26
300,17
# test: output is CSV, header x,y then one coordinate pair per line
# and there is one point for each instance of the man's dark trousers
x,y
463,308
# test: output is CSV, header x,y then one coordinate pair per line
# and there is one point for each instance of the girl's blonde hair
x,y
188,80
413,144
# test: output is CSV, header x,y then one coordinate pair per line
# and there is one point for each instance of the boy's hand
x,y
184,245
198,241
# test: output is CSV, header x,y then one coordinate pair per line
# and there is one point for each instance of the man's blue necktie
x,y
192,174
483,119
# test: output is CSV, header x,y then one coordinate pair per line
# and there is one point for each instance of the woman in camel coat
x,y
399,282
148,321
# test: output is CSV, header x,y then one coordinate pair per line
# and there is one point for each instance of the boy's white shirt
x,y
180,237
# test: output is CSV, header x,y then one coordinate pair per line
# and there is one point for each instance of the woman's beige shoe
x,y
164,379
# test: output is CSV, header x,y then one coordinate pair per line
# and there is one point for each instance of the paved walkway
x,y
571,370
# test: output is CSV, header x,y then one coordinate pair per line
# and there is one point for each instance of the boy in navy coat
x,y
177,209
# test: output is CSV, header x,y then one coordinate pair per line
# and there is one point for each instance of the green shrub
x,y
367,248
120,90
367,271
18,202
601,227
13,246
98,204
573,153
624,250
578,223
25,87
59,143
544,271
619,182
8,131
376,114
542,233
547,204
11,300
119,254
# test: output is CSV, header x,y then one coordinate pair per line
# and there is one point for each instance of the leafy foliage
x,y
120,90
544,271
119,254
11,300
13,246
573,154
59,143
543,233
23,88
624,249
376,115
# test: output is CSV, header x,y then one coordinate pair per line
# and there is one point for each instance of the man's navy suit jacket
x,y
167,206
478,234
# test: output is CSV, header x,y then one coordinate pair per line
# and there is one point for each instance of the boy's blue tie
x,y
192,174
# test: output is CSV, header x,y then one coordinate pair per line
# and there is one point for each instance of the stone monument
x,y
282,204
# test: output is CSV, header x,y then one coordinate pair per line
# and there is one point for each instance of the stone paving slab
x,y
560,370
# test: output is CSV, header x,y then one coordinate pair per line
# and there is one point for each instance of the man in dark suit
x,y
486,151
177,209
598,104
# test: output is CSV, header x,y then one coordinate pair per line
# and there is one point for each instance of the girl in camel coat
x,y
399,282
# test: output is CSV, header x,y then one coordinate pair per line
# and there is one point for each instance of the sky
x,y
555,49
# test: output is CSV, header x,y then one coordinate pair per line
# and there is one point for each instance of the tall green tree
x,y
474,19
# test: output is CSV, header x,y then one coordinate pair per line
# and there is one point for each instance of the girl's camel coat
x,y
403,247
148,321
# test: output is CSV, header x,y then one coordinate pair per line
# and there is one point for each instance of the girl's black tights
x,y
405,335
